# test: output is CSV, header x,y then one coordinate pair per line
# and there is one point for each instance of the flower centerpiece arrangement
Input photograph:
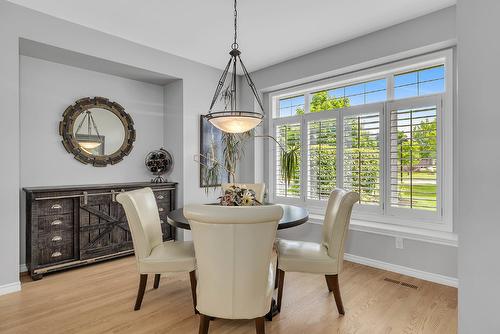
x,y
236,196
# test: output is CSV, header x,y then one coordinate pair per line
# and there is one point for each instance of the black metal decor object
x,y
230,92
158,163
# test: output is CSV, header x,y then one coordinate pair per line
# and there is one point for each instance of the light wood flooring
x,y
100,298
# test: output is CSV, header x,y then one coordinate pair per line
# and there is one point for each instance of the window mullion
x,y
340,149
390,87
386,160
304,152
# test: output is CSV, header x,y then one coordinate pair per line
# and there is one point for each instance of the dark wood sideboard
x,y
71,226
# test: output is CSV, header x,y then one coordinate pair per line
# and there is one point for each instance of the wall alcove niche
x,y
51,79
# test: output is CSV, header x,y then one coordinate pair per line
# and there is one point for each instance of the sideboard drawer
x,y
48,207
57,253
56,238
47,224
162,196
163,209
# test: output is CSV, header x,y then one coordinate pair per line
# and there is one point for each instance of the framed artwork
x,y
211,152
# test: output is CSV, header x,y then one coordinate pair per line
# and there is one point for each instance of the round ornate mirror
x,y
97,131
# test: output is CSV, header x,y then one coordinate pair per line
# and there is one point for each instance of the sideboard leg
x,y
36,277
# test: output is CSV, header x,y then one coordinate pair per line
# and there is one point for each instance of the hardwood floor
x,y
100,299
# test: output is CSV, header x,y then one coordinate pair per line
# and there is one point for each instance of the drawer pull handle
x,y
160,197
57,238
160,209
56,254
56,206
56,222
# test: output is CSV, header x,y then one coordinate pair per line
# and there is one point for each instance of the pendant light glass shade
x,y
235,121
230,119
89,145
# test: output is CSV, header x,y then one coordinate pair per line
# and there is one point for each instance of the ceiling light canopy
x,y
230,119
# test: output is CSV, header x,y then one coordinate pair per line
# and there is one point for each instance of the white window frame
x,y
442,220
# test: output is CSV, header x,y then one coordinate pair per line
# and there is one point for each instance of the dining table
x,y
292,216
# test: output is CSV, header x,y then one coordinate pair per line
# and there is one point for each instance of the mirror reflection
x,y
99,131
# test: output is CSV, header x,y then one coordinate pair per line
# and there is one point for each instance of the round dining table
x,y
292,216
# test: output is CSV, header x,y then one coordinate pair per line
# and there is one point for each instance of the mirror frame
x,y
71,144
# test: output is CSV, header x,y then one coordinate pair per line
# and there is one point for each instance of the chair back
x,y
234,249
336,223
143,219
259,188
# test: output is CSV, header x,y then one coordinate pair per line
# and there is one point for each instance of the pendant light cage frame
x,y
235,58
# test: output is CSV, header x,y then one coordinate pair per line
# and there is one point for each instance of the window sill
x,y
412,233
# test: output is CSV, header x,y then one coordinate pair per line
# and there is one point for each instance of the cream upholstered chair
x,y
235,260
152,254
259,188
324,258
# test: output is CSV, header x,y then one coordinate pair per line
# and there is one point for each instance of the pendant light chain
x,y
235,44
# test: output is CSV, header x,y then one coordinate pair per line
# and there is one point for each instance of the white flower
x,y
247,198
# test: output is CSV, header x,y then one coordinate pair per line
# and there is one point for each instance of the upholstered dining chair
x,y
259,188
154,256
235,261
325,258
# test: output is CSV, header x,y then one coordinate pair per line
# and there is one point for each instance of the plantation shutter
x,y
413,158
288,135
361,152
322,158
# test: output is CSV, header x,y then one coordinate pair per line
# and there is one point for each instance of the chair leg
x,y
281,282
140,292
328,283
204,324
333,285
157,281
192,278
260,327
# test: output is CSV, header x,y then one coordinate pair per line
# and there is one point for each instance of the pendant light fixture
x,y
88,141
230,119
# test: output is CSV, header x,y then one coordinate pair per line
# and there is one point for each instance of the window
x,y
349,134
418,83
291,106
413,161
361,156
288,135
322,158
352,95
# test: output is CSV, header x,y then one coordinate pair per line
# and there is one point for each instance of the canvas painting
x,y
212,153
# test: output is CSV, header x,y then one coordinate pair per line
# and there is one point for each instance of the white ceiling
x,y
270,31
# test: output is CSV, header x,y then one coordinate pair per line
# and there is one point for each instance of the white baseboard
x,y
9,288
23,268
436,278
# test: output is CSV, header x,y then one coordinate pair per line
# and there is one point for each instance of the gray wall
x,y
46,89
478,24
419,33
417,36
16,22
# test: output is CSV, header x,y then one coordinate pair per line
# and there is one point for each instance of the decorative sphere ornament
x,y
158,163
